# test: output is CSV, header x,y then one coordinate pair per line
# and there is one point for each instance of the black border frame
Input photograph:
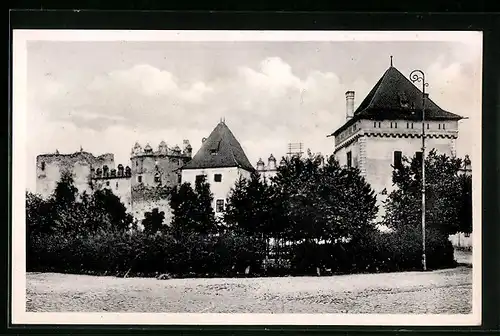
x,y
199,20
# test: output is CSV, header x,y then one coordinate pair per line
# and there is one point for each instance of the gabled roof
x,y
395,97
220,149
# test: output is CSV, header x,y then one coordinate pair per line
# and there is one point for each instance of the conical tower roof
x,y
395,97
220,149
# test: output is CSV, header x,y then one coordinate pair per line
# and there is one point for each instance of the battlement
x,y
105,173
74,157
163,150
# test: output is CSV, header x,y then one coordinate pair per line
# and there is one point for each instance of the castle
x,y
140,185
386,126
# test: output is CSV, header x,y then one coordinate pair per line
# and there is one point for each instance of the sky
x,y
104,96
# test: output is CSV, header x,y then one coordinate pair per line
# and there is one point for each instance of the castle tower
x,y
222,161
387,125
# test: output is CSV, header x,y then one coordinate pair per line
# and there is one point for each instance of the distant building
x,y
267,172
222,161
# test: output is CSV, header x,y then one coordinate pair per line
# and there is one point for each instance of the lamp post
x,y
419,76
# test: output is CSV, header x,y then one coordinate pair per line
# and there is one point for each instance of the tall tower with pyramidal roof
x,y
221,160
387,125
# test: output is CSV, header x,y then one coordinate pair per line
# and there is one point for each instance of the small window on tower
x,y
412,125
398,159
374,124
349,159
395,125
407,125
179,179
466,234
379,124
217,177
116,185
107,183
139,179
444,126
219,205
439,126
43,165
427,126
418,157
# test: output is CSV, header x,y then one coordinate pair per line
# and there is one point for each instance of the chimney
x,y
349,102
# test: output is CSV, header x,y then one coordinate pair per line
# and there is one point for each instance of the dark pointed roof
x,y
395,97
220,149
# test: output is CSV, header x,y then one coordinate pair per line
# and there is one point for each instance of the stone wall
x,y
50,168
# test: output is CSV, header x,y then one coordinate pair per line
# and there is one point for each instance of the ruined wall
x,y
120,186
50,167
146,198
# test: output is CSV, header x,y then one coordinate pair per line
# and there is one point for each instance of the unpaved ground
x,y
445,291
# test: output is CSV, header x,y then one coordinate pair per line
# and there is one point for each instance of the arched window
x,y
128,171
105,171
98,172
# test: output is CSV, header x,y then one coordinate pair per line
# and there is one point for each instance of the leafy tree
x,y
248,208
153,221
105,202
448,196
192,210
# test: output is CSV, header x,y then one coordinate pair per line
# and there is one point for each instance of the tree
x,y
248,208
192,210
105,202
153,221
448,196
448,208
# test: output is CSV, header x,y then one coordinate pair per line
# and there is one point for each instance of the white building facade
x,y
387,126
221,161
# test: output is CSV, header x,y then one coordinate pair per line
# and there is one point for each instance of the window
x,y
374,124
379,124
139,179
107,183
444,126
43,165
213,151
157,178
418,157
179,178
398,159
407,125
395,125
427,126
217,177
466,234
391,124
439,126
219,205
349,159
412,125
116,185
199,178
